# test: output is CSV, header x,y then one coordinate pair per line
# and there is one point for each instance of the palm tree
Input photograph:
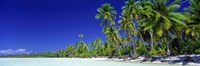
x,y
135,11
113,37
70,50
144,10
194,23
129,14
93,51
98,43
61,53
96,46
127,47
108,49
81,36
163,18
84,50
131,9
107,14
127,25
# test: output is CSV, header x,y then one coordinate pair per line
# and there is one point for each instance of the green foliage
x,y
158,50
140,49
107,14
186,47
149,27
197,47
197,51
194,18
175,50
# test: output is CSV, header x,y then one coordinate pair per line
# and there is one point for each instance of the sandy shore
x,y
141,60
171,60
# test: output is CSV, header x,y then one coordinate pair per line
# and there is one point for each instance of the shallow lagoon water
x,y
65,62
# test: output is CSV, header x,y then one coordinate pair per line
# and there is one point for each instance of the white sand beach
x,y
99,61
171,60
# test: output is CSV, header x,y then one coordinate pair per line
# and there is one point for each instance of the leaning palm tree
x,y
127,24
163,18
113,37
131,9
129,14
194,23
107,14
144,12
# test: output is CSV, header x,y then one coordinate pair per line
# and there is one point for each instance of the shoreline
x,y
171,60
168,60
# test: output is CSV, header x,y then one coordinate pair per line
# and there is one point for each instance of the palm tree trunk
x,y
119,52
143,42
151,34
130,54
169,46
193,43
120,55
134,49
160,42
106,24
178,38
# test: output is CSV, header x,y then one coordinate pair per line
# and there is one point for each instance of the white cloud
x,y
14,52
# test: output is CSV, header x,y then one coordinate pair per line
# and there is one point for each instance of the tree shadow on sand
x,y
184,60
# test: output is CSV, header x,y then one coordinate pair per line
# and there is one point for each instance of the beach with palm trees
x,y
148,31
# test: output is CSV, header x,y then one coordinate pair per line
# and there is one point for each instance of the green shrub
x,y
158,51
197,51
83,55
148,55
140,49
123,51
197,47
161,51
175,50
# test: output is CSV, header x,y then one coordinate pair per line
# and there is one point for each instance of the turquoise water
x,y
65,62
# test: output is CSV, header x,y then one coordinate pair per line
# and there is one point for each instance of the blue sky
x,y
49,25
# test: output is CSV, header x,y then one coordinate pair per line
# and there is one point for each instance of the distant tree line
x,y
149,27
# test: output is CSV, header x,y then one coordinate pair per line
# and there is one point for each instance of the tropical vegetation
x,y
145,28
